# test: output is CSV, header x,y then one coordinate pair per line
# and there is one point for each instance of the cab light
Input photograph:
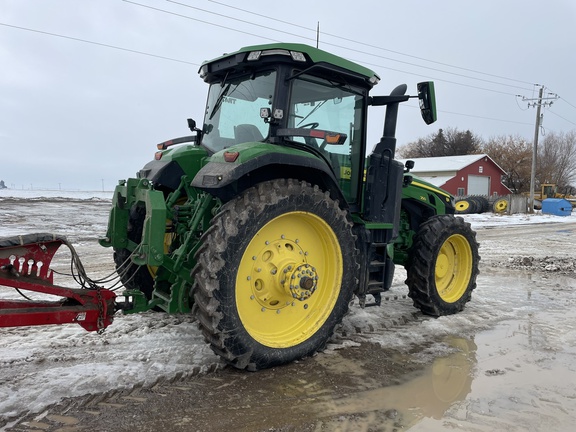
x,y
277,51
231,156
374,79
203,71
297,56
254,55
158,155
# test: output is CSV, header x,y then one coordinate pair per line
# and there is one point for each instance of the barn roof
x,y
436,180
446,163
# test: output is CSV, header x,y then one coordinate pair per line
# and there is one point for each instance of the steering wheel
x,y
312,125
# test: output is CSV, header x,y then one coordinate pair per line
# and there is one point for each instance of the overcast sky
x,y
78,115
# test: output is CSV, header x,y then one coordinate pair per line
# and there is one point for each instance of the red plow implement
x,y
25,266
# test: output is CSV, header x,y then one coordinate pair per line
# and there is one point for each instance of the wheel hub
x,y
303,282
280,274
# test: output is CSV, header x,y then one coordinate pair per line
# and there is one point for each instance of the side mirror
x,y
192,124
427,99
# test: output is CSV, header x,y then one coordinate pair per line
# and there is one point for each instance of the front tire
x,y
443,265
276,272
132,276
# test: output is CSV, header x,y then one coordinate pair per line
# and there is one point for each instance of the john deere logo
x,y
345,173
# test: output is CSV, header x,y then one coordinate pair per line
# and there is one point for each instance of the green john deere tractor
x,y
269,218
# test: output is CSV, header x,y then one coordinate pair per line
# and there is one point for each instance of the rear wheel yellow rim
x,y
289,279
453,268
462,205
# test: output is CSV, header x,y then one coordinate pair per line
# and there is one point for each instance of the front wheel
x,y
134,277
443,265
275,274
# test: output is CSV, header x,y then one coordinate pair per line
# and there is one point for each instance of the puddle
x,y
524,379
429,394
518,375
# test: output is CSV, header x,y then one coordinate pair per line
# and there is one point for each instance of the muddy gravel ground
x,y
508,362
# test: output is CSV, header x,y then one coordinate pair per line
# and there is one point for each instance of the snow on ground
x,y
36,194
491,220
41,365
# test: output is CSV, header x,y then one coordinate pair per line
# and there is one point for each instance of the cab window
x,y
317,103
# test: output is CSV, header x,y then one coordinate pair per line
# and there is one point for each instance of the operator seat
x,y
247,133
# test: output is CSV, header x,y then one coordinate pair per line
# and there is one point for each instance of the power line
x,y
311,39
196,64
558,115
98,43
472,115
437,79
486,118
365,44
562,99
199,20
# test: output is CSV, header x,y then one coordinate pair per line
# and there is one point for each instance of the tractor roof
x,y
311,56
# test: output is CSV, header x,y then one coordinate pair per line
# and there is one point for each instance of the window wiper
x,y
221,96
313,111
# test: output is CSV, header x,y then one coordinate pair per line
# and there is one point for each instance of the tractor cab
x,y
308,101
293,96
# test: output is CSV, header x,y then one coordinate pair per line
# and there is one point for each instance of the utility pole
x,y
535,150
538,104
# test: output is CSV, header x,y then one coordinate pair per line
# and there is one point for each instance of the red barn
x,y
462,175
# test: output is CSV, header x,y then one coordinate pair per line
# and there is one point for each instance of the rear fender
x,y
226,180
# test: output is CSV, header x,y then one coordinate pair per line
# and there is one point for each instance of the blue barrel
x,y
556,206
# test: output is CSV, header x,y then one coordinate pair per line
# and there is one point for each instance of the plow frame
x,y
25,265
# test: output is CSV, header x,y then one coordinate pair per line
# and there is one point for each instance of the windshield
x,y
233,110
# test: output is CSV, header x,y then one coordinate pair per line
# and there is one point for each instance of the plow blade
x,y
25,265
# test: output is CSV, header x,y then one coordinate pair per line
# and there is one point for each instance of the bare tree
x,y
514,155
556,162
445,142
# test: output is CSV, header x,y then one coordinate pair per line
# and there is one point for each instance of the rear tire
x,y
275,274
443,265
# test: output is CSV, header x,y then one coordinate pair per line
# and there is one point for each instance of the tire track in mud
x,y
69,414
83,412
